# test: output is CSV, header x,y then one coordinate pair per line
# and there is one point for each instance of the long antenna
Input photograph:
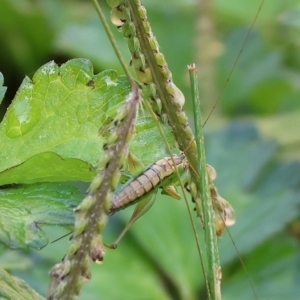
x,y
235,62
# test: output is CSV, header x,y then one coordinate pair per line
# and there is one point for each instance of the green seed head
x,y
114,3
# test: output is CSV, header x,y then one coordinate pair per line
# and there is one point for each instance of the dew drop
x,y
110,82
48,68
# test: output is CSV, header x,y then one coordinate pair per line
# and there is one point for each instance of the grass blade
x,y
203,185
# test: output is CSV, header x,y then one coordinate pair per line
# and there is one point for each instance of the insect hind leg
x,y
141,208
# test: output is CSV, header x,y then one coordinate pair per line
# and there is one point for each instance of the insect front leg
x,y
141,208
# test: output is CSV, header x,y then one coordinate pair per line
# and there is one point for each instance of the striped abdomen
x,y
144,183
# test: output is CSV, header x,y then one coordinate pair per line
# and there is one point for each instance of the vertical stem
x,y
112,39
214,276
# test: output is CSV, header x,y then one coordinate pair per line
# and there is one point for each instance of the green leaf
x,y
48,166
273,268
2,88
147,144
15,288
60,111
25,209
54,121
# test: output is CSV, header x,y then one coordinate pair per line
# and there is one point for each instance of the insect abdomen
x,y
144,183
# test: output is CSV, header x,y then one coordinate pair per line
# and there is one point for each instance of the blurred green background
x,y
256,155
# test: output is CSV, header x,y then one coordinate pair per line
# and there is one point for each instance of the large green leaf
x,y
54,122
60,110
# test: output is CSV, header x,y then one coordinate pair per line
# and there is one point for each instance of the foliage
x,y
159,251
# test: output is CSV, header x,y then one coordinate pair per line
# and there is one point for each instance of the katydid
x,y
143,188
159,174
162,174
